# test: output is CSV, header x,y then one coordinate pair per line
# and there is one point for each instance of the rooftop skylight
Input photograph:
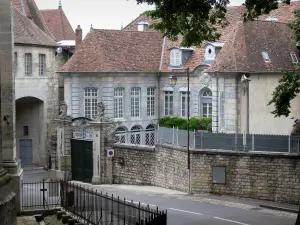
x,y
266,56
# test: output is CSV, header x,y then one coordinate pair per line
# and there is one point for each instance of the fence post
x,y
253,147
194,135
157,134
173,136
201,140
177,136
289,143
235,141
43,190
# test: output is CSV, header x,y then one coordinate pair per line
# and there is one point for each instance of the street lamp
x,y
173,82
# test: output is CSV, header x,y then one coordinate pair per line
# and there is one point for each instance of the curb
x,y
279,208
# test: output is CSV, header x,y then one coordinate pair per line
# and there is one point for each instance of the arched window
x,y
206,103
121,134
135,136
150,135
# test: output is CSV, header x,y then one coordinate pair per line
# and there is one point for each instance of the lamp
x,y
172,80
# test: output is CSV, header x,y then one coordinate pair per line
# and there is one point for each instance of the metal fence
x,y
88,205
236,142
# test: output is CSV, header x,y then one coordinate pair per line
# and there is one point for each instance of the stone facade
x,y
255,175
36,100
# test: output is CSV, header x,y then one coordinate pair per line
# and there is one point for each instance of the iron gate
x,y
82,160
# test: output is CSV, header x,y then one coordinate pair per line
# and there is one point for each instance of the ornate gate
x,y
82,150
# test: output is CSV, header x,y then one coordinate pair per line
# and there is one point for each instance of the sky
x,y
102,14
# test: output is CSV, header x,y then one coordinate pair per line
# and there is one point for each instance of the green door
x,y
82,160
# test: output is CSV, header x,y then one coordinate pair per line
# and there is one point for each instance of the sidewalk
x,y
229,201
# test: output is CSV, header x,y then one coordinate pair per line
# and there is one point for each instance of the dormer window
x,y
143,26
294,57
272,19
175,57
265,56
211,51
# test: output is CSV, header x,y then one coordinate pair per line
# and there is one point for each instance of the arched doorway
x,y
30,133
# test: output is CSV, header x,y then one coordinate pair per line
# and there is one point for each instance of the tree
x,y
289,84
197,20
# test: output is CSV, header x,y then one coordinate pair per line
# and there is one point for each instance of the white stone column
x,y
97,151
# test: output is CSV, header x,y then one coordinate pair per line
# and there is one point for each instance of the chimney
x,y
78,36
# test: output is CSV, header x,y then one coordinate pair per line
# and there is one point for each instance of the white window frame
x,y
168,103
184,95
42,64
121,135
151,101
150,135
175,57
135,102
266,56
28,64
90,102
294,57
136,135
205,101
118,103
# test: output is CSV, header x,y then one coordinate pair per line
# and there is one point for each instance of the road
x,y
183,209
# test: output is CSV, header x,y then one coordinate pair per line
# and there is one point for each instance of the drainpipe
x,y
237,104
159,75
218,100
248,114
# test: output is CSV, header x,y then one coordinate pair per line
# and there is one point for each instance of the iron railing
x,y
91,206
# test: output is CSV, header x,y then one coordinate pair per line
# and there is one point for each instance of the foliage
x,y
197,20
181,123
289,84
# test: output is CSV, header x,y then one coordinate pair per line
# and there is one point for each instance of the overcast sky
x,y
103,14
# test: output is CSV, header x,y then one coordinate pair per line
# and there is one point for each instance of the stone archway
x,y
30,131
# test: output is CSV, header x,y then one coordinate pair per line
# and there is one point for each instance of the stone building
x,y
10,171
246,73
37,56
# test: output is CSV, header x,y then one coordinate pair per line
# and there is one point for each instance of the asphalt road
x,y
184,210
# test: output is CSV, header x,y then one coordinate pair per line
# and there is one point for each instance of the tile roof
x,y
117,51
31,10
242,53
27,32
58,24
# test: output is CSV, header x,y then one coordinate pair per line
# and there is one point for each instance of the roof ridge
x,y
133,31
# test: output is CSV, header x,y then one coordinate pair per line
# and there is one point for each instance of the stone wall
x,y
256,175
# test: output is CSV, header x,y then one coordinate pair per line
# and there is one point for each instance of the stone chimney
x,y
78,36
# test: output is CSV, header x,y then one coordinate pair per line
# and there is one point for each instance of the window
x,y
25,131
135,101
206,103
42,64
266,56
294,57
121,135
28,64
168,103
118,103
90,102
151,101
150,135
184,103
135,136
175,57
16,58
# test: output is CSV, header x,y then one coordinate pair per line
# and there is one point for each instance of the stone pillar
x,y
98,148
63,150
10,202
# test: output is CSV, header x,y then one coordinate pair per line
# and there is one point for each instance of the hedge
x,y
195,123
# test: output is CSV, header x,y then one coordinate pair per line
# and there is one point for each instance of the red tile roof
x,y
58,24
117,51
243,52
33,13
27,32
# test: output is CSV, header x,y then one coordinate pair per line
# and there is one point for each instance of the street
x,y
183,209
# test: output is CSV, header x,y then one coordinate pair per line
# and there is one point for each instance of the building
x,y
257,51
36,60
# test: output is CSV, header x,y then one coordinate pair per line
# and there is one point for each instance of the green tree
x,y
197,20
289,85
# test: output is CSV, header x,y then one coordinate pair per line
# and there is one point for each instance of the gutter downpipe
x,y
159,75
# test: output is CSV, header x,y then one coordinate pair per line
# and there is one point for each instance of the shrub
x,y
196,123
